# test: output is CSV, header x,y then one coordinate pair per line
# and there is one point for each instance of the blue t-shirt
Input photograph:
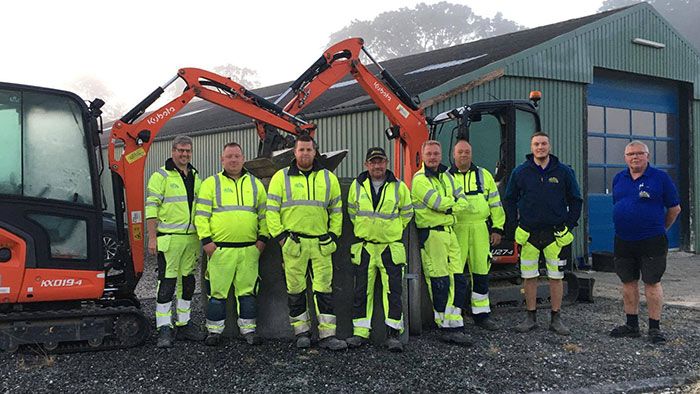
x,y
639,205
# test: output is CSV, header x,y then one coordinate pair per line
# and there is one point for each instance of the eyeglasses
x,y
182,150
631,154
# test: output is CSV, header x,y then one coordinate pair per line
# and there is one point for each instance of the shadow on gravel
x,y
501,361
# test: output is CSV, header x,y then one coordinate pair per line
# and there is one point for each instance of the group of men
x,y
458,213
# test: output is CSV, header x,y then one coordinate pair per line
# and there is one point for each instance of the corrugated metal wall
x,y
608,44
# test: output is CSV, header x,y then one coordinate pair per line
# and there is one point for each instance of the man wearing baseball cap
x,y
380,208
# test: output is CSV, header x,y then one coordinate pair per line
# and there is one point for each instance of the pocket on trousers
x,y
398,253
163,243
291,248
327,248
356,253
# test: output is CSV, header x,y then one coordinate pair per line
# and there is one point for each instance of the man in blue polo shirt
x,y
645,205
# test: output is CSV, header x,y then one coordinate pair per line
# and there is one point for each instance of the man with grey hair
x,y
645,205
172,238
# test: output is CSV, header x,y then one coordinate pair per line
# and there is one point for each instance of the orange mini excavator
x,y
54,290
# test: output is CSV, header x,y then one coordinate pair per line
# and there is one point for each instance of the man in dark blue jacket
x,y
544,197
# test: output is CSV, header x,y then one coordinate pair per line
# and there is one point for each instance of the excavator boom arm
x,y
137,137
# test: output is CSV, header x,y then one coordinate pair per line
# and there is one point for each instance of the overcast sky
x,y
134,46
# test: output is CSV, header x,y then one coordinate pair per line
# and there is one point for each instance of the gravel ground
x,y
588,360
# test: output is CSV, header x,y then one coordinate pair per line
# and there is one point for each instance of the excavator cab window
x,y
48,176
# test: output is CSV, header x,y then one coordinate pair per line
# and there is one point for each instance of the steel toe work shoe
x,y
213,339
557,326
528,324
190,332
333,343
486,323
303,341
394,345
252,338
393,341
165,337
625,331
656,336
355,341
456,337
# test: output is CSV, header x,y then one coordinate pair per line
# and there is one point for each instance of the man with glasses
x,y
172,237
645,205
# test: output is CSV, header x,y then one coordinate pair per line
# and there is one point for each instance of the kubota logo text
x,y
379,88
155,118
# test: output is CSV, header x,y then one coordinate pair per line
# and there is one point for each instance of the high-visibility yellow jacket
x,y
483,199
230,210
386,222
308,205
435,198
169,202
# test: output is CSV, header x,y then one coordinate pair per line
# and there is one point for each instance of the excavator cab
x,y
499,132
51,223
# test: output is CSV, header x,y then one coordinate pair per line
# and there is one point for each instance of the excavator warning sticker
x,y
136,217
138,234
402,111
135,155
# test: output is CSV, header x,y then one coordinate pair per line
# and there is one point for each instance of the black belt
x,y
300,235
158,234
234,244
375,243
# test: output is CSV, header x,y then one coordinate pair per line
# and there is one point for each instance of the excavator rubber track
x,y
85,329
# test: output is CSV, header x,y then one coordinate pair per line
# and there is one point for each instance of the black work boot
x,y
190,332
333,343
557,325
625,331
252,338
303,340
485,323
355,341
656,336
393,342
455,336
529,324
165,337
213,339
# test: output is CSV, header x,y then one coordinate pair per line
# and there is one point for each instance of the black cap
x,y
376,152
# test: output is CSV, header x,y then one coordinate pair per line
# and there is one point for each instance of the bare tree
x,y
89,87
243,75
424,28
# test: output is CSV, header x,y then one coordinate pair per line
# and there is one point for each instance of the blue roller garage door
x,y
621,109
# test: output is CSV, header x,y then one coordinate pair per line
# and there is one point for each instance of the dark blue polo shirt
x,y
639,206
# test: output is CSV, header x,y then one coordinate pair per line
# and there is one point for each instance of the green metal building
x,y
605,79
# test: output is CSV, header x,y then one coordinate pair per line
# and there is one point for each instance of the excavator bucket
x,y
265,167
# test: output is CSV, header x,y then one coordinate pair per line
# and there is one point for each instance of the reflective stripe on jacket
x,y
307,205
477,181
386,223
167,201
230,210
435,198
